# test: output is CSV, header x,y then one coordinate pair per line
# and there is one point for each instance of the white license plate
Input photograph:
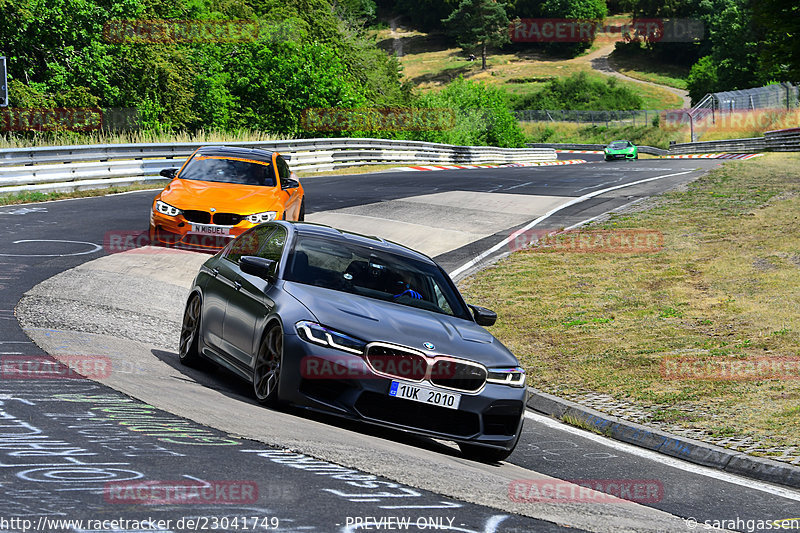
x,y
422,394
210,229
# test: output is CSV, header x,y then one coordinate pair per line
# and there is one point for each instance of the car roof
x,y
321,230
256,154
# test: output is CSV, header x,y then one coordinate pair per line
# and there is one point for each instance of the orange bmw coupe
x,y
220,192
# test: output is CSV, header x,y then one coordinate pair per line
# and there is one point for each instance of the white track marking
x,y
667,460
504,242
95,248
582,222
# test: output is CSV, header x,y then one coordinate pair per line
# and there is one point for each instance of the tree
x,y
578,10
778,19
478,23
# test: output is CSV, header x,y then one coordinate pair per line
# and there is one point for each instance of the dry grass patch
x,y
724,288
430,62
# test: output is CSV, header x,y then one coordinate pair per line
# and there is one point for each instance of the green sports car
x,y
621,150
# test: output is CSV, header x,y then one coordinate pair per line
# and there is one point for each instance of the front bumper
x,y
176,232
491,417
626,155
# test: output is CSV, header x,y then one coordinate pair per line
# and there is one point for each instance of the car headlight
x,y
165,209
258,218
514,376
319,334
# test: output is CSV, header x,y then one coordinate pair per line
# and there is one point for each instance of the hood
x,y
376,320
224,197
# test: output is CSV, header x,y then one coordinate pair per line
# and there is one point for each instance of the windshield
x,y
361,270
229,170
618,145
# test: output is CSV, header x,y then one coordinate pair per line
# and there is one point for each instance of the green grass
x,y
570,132
31,197
724,288
641,66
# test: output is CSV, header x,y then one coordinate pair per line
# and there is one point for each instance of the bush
x,y
481,115
581,92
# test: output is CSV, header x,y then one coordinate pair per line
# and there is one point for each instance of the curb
x,y
684,448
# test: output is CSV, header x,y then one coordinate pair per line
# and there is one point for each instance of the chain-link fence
x,y
778,96
761,108
639,117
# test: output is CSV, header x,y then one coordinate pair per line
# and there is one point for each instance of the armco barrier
x,y
92,166
783,140
742,146
571,146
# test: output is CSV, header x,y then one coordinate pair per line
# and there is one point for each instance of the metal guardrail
x,y
745,146
783,140
571,146
92,166
787,140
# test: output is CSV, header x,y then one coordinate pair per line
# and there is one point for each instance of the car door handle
x,y
215,272
237,285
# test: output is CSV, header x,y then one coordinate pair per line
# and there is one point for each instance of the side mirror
x,y
168,172
483,316
290,184
258,266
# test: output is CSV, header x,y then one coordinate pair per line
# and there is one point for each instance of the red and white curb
x,y
504,165
711,156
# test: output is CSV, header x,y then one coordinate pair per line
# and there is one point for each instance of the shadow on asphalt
x,y
210,375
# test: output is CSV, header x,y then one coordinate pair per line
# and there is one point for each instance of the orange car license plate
x,y
210,229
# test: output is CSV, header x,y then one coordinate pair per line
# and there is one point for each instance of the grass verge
x,y
33,196
724,290
641,66
570,132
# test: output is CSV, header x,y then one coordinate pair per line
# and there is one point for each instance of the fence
x,y
60,168
714,107
786,140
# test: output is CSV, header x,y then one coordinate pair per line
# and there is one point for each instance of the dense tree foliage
x,y
305,53
748,43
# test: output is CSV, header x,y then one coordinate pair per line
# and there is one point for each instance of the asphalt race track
x,y
69,446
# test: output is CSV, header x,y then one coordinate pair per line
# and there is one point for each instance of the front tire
x,y
302,215
267,368
189,351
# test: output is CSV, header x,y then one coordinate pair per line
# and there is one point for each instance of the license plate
x,y
422,394
210,229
